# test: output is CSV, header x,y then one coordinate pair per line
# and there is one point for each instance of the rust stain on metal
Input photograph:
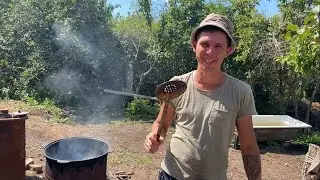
x,y
80,170
12,143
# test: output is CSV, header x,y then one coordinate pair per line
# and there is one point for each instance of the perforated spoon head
x,y
170,90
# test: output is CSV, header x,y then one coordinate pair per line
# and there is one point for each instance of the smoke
x,y
85,67
65,81
69,40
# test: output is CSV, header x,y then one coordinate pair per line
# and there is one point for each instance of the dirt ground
x,y
126,140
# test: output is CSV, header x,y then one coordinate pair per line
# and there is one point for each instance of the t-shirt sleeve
x,y
247,103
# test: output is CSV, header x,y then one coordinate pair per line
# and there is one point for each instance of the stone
x,y
40,176
36,168
28,162
30,173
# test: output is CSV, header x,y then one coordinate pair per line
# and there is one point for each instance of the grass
x,y
52,112
14,106
128,122
124,157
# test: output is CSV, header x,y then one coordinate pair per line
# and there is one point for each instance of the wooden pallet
x,y
313,153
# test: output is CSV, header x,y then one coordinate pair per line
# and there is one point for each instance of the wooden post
x,y
310,159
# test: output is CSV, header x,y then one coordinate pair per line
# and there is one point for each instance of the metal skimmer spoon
x,y
166,92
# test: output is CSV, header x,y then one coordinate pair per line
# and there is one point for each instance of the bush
x,y
311,137
141,109
50,108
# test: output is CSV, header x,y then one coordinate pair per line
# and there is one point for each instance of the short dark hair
x,y
211,29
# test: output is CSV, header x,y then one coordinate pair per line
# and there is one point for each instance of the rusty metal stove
x,y
12,144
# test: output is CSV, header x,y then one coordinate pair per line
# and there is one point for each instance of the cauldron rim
x,y
76,137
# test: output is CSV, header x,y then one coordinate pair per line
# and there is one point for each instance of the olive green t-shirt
x,y
205,122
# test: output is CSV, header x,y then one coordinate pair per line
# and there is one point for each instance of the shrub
x,y
50,108
311,137
141,109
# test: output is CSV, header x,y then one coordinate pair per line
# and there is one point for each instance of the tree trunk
x,y
296,107
143,76
294,95
315,90
294,99
281,91
129,87
140,83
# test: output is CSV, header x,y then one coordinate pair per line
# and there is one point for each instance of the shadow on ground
x,y
280,148
287,148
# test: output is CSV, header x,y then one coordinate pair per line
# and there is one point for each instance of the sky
x,y
267,7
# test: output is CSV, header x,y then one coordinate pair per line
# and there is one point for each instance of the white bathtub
x,y
277,121
276,127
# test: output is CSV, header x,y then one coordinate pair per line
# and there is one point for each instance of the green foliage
x,y
307,138
294,11
136,39
250,27
272,143
141,109
304,44
48,106
145,9
63,50
174,35
303,38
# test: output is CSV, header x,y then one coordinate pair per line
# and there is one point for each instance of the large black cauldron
x,y
79,158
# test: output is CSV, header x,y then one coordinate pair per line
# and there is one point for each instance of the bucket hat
x,y
219,21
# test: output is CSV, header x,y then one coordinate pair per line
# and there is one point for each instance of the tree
x,y
59,49
254,59
135,36
25,44
173,36
305,50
